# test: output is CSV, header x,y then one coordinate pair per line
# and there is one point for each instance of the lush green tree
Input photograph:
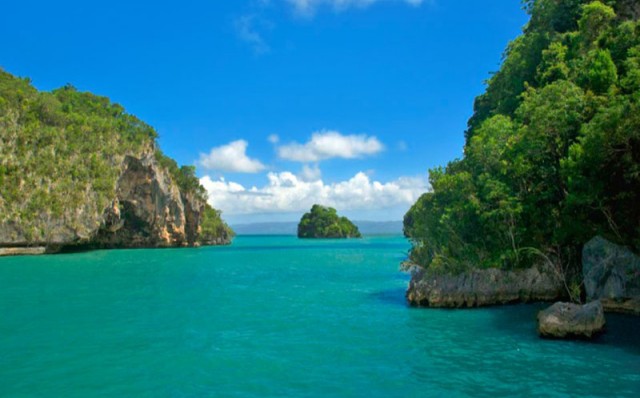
x,y
552,153
595,19
599,72
212,227
630,82
553,66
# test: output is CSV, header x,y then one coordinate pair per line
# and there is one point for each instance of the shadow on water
x,y
508,314
621,331
394,297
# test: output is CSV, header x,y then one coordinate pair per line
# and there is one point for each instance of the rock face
x,y
567,320
74,227
482,288
611,275
149,210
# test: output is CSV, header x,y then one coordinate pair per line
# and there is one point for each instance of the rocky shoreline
x,y
611,281
22,251
479,288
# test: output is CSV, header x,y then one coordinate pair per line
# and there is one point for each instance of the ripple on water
x,y
275,316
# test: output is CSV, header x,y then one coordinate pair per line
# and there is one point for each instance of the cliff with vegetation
x,y
552,152
324,222
77,171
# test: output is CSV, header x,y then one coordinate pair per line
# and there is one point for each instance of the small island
x,y
324,222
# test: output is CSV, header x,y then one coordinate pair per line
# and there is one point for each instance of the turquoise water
x,y
275,316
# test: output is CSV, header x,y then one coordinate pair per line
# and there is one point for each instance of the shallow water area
x,y
278,316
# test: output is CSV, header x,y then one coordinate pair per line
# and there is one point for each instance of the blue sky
x,y
280,103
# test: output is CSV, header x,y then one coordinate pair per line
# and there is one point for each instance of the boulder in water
x,y
568,320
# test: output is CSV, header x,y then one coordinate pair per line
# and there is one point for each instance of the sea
x,y
275,316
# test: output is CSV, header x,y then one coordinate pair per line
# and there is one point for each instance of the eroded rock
x,y
612,275
148,210
568,320
482,288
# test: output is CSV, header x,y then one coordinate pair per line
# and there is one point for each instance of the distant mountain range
x,y
291,228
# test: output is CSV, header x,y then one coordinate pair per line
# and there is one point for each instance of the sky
x,y
280,104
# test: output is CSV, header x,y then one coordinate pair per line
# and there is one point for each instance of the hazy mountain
x,y
291,228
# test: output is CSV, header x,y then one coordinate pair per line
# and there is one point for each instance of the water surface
x,y
277,316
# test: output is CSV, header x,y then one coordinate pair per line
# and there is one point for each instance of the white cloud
x,y
308,7
273,138
252,27
231,157
246,30
285,193
310,173
330,144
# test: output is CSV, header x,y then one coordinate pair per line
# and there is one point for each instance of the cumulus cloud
x,y
308,7
330,144
231,157
310,173
273,138
286,192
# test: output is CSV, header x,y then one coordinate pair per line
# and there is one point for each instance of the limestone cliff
x,y
148,210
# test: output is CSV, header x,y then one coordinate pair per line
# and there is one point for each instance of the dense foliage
x,y
324,222
61,151
213,227
552,152
184,176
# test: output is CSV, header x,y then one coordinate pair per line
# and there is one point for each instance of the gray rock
x,y
482,288
612,275
567,320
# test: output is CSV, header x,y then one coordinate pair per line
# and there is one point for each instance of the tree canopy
x,y
552,152
213,226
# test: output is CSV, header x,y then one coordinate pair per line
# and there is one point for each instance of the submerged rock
x,y
611,275
624,306
482,288
567,320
